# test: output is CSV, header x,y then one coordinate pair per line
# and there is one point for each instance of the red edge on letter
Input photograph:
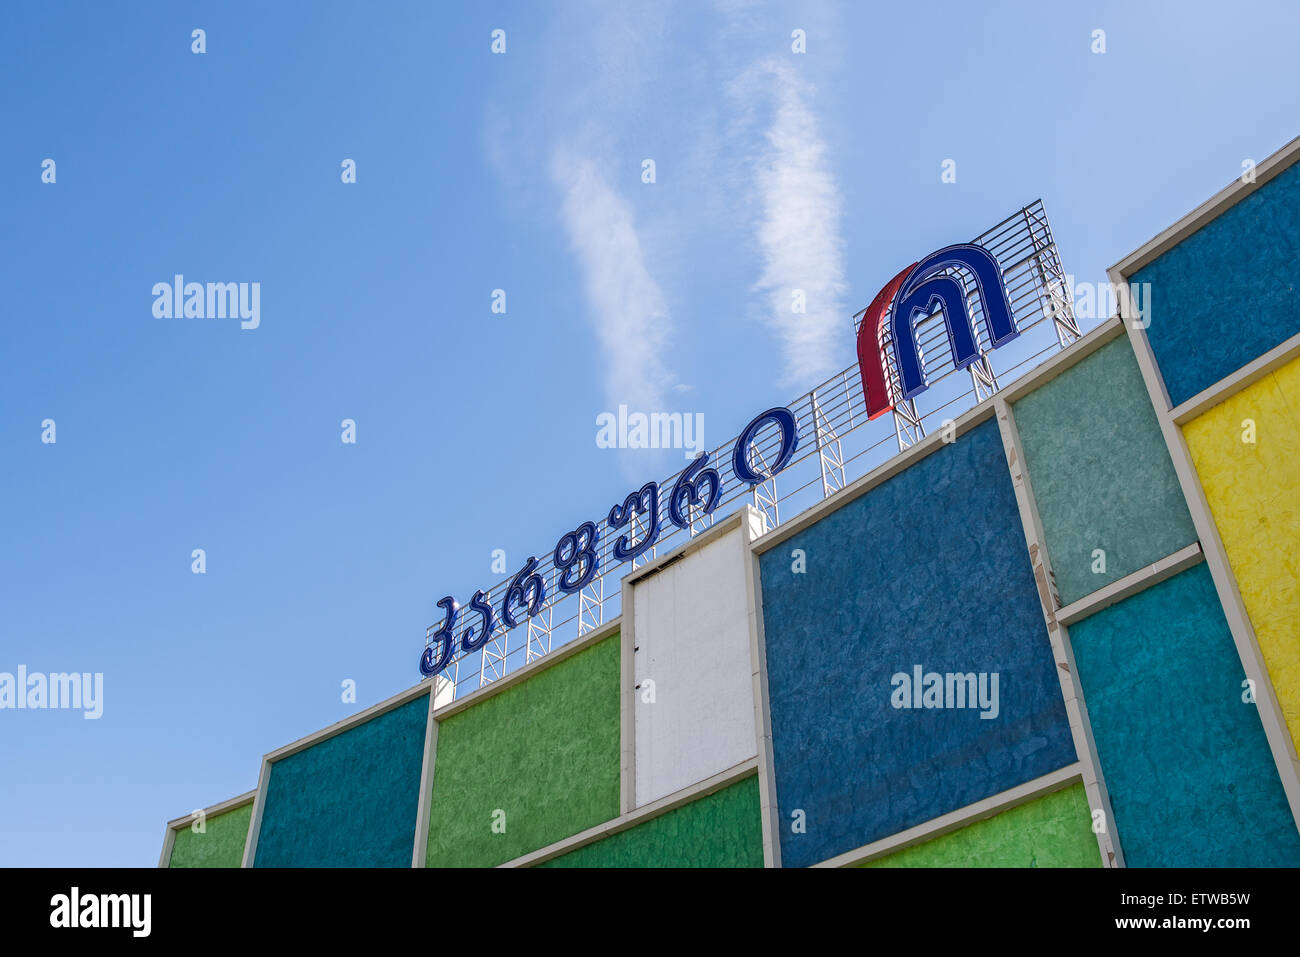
x,y
871,356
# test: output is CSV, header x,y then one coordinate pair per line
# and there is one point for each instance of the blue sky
x,y
475,431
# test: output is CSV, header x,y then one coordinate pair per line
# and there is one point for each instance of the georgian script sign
x,y
934,282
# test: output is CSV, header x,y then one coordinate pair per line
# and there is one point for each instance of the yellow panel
x,y
1254,493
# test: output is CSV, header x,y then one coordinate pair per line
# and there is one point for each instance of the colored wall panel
x,y
350,800
929,568
1254,493
692,640
1051,831
1192,782
1101,472
1227,294
221,845
542,756
723,829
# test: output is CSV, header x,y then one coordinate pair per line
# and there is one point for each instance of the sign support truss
x,y
829,449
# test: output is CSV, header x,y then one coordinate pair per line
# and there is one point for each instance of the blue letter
x,y
789,442
924,287
429,665
645,501
479,604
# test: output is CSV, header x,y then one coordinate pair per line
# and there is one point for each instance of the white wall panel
x,y
691,628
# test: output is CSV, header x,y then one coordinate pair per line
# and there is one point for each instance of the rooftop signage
x,y
937,281
915,292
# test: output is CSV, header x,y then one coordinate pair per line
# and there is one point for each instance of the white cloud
x,y
799,226
627,308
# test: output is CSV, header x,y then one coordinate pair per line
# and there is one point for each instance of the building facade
x,y
1060,630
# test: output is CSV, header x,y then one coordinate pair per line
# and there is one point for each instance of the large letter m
x,y
916,294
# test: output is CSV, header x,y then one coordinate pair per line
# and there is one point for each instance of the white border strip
x,y
1131,584
351,721
567,650
960,818
1085,746
425,803
1227,197
1243,378
767,803
627,702
654,809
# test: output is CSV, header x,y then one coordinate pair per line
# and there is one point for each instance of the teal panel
x,y
1192,781
1101,472
351,800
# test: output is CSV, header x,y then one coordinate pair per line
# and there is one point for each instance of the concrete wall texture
x,y
1247,453
722,829
1054,830
1228,293
529,766
1101,472
929,568
221,844
349,800
1192,782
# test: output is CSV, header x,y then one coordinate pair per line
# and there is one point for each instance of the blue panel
x,y
1192,781
350,801
930,568
1227,294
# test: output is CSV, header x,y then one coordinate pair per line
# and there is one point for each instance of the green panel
x,y
540,758
1100,471
221,844
1051,831
724,829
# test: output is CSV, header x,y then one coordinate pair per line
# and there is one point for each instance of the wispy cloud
x,y
799,226
627,307
744,174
